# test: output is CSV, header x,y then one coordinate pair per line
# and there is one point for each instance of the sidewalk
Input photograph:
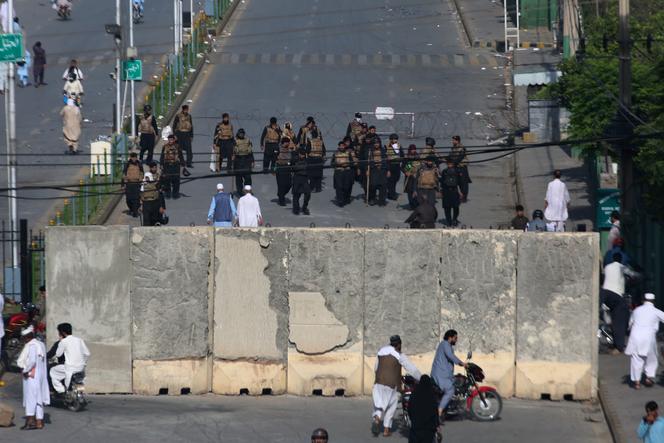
x,y
624,406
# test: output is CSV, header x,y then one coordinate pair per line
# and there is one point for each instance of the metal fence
x,y
23,272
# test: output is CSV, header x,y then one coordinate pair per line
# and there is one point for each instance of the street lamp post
x,y
10,110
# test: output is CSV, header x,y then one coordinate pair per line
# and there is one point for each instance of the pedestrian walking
x,y
319,436
395,157
222,210
148,130
73,89
71,126
651,427
282,170
32,362
344,166
316,156
249,210
611,295
183,126
301,187
387,368
427,180
450,184
270,144
132,178
520,221
460,159
224,142
556,202
172,160
301,139
243,160
152,199
442,370
642,344
614,232
424,216
23,70
38,64
422,412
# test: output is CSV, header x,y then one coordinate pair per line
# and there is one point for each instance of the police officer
x,y
223,141
270,143
450,182
282,169
183,125
460,159
427,180
355,126
395,156
243,160
288,132
302,135
152,199
316,155
377,174
410,167
132,176
300,167
171,161
344,168
429,149
147,128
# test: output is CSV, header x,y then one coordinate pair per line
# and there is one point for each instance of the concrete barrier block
x,y
171,377
87,284
478,300
401,289
251,295
249,377
333,373
169,292
557,305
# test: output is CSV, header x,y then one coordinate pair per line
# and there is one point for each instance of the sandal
x,y
636,385
649,382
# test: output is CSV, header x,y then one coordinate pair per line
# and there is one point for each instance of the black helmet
x,y
537,213
430,141
394,136
319,433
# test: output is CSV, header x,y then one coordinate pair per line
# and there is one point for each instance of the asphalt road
x,y
330,60
289,419
39,126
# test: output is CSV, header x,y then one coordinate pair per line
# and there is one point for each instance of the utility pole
x,y
131,45
10,110
625,91
118,73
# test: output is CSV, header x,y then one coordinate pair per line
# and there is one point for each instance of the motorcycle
x,y
74,396
64,11
482,403
11,342
136,13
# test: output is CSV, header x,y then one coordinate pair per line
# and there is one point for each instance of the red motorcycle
x,y
11,342
482,403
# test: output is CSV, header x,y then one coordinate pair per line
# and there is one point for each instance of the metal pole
x,y
26,284
180,25
625,90
176,33
10,109
118,73
133,94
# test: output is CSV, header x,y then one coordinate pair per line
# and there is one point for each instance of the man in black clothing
x,y
282,169
171,161
132,177
424,216
450,181
183,125
270,143
395,157
377,174
344,168
147,127
300,167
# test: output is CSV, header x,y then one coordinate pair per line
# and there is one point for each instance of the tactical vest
x,y
242,147
150,191
134,173
145,127
391,153
427,151
272,135
304,131
376,158
316,147
427,179
458,156
389,371
224,132
171,154
355,128
284,155
184,123
341,160
289,133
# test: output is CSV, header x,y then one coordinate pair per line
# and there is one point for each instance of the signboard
x,y
132,70
608,200
384,113
11,48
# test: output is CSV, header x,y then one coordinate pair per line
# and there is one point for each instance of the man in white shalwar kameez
x,y
642,344
389,362
249,210
32,361
556,202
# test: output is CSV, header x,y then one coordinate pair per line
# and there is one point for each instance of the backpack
x,y
451,179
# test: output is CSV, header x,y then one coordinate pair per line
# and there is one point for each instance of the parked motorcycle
x,y
11,342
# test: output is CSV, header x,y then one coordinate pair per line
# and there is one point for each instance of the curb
x,y
103,217
466,29
611,417
499,45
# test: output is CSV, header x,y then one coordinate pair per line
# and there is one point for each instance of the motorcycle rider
x,y
76,357
388,380
442,370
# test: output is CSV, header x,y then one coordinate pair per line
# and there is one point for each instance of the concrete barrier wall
x,y
304,311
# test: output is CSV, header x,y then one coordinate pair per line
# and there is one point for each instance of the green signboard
x,y
132,70
608,200
11,48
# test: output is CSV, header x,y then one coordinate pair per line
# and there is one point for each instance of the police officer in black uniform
x,y
451,180
344,174
377,174
395,157
316,157
171,161
243,160
300,167
282,169
152,199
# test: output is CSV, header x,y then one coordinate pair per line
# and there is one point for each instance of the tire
x,y
77,404
490,409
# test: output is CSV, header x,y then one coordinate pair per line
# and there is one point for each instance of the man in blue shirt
x,y
651,428
222,210
442,370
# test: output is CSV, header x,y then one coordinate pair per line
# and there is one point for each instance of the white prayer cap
x,y
247,188
29,330
220,186
149,177
650,296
